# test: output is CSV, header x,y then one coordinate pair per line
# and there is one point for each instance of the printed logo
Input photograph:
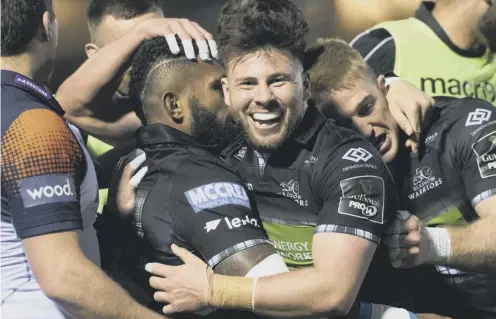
x,y
238,222
424,181
241,153
291,190
478,117
431,138
47,189
249,186
357,154
295,251
485,150
363,197
215,195
212,225
311,160
33,86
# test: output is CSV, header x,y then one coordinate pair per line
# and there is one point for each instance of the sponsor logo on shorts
x,y
478,117
424,181
357,154
215,195
47,189
291,190
363,197
232,223
485,150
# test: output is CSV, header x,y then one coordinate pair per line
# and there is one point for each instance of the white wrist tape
x,y
440,250
386,312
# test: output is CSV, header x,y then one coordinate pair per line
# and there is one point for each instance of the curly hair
x,y
246,26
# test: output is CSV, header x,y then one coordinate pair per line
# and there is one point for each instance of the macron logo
x,y
215,195
47,189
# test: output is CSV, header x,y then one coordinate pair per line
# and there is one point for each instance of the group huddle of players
x,y
269,177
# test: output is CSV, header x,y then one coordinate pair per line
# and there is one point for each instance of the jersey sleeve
x,y
41,170
473,148
378,49
357,191
213,211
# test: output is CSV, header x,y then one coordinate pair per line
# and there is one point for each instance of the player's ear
x,y
172,107
381,82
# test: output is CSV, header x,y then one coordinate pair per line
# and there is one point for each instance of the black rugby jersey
x,y
454,170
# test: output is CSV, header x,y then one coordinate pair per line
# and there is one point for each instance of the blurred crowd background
x,y
343,18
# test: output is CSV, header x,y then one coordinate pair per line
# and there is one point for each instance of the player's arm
x,y
92,84
224,227
470,247
48,223
331,285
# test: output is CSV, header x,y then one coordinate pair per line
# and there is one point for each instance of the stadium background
x,y
343,18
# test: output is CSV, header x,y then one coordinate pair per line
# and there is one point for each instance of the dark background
x,y
343,18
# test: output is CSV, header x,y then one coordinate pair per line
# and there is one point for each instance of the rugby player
x,y
189,195
318,187
49,249
448,185
423,49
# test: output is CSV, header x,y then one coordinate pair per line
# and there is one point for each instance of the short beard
x,y
207,130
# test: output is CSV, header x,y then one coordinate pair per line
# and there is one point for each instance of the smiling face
x,y
267,92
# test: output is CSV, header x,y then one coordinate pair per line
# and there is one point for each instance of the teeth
x,y
266,116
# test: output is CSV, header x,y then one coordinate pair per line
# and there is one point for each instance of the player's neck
x,y
459,21
25,64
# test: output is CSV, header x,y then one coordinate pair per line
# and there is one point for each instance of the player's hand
x,y
130,179
408,241
430,316
186,30
408,106
185,287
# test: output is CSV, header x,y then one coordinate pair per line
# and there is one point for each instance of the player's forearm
x,y
295,294
473,247
83,86
125,127
84,291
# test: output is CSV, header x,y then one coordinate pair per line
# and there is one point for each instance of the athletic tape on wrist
x,y
440,250
232,292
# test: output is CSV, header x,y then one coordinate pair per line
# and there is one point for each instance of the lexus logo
x,y
478,117
357,154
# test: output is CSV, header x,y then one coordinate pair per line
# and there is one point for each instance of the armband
x,y
378,311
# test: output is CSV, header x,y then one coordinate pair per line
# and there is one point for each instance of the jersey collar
x,y
424,14
310,124
29,86
162,134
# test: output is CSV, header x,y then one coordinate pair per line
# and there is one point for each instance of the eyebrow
x,y
366,100
270,77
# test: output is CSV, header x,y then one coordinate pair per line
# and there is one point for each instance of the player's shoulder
x,y
370,38
463,115
342,143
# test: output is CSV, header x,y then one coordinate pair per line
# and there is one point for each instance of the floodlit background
x,y
343,18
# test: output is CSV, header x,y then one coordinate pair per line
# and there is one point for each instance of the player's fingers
x,y
414,251
402,121
185,255
186,40
131,167
161,296
199,38
206,34
136,179
212,45
169,309
158,269
172,43
413,223
414,115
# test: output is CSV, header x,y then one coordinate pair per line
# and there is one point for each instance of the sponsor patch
x,y
215,195
232,223
47,189
478,117
485,150
363,197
